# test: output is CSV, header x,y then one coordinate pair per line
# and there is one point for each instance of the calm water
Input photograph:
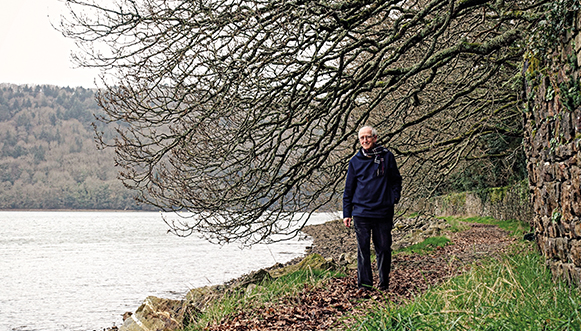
x,y
83,270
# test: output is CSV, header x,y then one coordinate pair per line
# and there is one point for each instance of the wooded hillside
x,y
48,157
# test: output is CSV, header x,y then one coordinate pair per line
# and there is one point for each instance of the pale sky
x,y
32,51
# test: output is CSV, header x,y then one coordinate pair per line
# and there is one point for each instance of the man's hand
x,y
347,221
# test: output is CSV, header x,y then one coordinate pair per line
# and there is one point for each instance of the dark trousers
x,y
378,230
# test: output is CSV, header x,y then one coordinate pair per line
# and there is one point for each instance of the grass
x,y
515,227
516,292
267,291
426,246
456,224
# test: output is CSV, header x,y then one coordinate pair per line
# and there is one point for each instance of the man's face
x,y
367,139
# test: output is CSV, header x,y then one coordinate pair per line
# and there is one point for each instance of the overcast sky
x,y
31,51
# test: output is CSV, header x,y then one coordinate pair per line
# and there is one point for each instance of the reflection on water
x,y
82,270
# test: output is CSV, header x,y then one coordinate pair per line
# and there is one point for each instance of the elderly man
x,y
372,187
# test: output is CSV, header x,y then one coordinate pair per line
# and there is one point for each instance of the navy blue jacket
x,y
369,192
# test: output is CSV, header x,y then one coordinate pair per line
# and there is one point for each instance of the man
x,y
372,187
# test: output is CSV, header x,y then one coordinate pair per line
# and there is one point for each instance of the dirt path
x,y
321,308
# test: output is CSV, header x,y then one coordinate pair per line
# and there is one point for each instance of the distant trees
x,y
48,157
246,112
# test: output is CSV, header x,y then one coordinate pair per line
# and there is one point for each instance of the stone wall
x,y
553,146
502,203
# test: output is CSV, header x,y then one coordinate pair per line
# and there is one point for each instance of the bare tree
x,y
245,112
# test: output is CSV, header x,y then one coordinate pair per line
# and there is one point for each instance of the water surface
x,y
82,270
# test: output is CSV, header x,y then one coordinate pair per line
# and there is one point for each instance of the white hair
x,y
367,127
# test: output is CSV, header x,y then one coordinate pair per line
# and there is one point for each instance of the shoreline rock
x,y
166,315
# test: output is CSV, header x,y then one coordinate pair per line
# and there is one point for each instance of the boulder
x,y
255,277
312,261
157,314
197,299
348,260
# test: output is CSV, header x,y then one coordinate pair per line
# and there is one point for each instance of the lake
x,y
82,270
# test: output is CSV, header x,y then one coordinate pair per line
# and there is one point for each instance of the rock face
x,y
156,314
553,146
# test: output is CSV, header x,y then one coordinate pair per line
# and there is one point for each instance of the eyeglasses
x,y
366,137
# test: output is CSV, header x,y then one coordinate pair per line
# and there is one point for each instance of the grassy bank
x,y
259,297
512,292
515,292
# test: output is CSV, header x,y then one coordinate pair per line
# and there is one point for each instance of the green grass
x,y
515,227
267,291
455,224
426,246
515,292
